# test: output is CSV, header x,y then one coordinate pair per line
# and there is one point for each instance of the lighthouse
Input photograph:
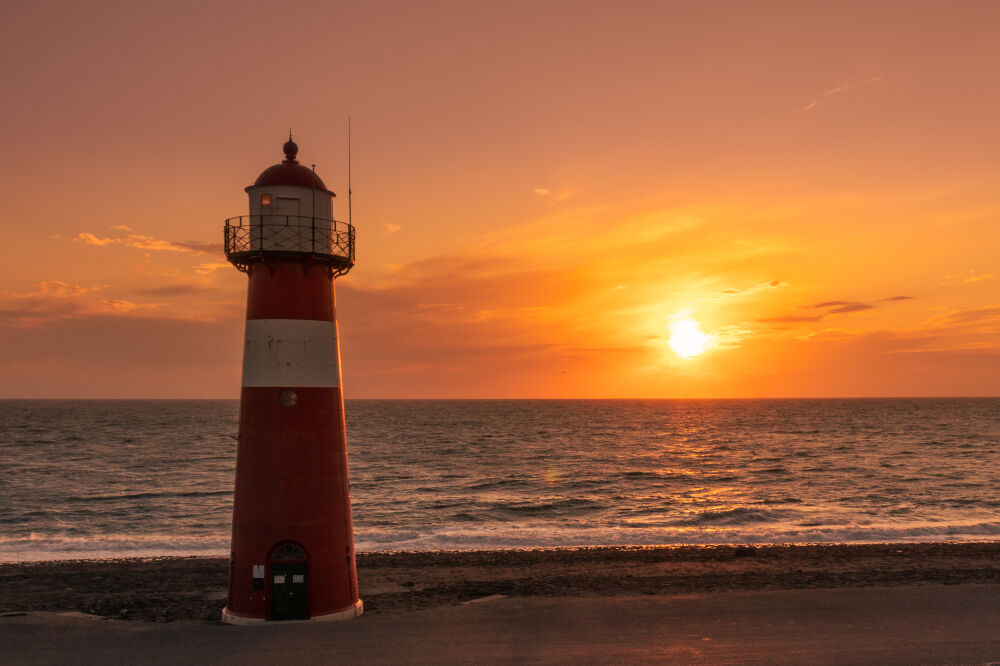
x,y
293,542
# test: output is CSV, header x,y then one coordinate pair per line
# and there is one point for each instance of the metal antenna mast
x,y
349,170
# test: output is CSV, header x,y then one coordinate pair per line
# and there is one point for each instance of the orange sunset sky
x,y
544,192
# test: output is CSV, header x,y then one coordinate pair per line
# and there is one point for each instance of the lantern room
x,y
290,215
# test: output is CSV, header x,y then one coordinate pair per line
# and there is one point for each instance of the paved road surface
x,y
896,625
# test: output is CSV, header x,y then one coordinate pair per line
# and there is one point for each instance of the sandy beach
x,y
193,588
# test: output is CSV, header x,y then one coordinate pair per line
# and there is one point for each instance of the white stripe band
x,y
291,352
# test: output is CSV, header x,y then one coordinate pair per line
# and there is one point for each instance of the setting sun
x,y
687,339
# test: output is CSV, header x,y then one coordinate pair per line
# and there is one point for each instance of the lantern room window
x,y
265,200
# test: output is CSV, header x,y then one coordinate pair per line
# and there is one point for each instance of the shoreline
x,y
140,555
171,588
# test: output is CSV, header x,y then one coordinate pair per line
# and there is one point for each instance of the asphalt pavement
x,y
887,625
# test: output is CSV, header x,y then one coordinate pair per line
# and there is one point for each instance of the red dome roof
x,y
290,172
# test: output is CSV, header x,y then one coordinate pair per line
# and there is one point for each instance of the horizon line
x,y
730,398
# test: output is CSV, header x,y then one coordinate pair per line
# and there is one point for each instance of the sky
x,y
547,193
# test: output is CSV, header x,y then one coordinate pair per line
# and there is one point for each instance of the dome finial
x,y
290,148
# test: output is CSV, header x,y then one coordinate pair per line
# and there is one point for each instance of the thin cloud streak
x,y
55,300
141,242
838,90
790,319
842,307
762,286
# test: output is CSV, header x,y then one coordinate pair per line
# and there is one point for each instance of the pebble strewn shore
x,y
193,588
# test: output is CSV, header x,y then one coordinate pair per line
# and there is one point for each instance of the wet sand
x,y
193,588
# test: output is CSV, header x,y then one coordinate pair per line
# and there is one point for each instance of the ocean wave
x,y
737,516
438,538
146,495
545,506
582,535
494,484
39,547
726,517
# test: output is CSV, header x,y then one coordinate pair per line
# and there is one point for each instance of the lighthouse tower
x,y
293,543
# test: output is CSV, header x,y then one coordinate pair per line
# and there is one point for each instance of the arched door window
x,y
288,551
289,582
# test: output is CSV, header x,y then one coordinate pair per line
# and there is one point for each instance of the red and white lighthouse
x,y
293,542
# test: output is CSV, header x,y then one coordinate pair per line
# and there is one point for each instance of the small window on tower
x,y
265,200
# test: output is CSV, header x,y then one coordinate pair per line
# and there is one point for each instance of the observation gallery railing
x,y
251,238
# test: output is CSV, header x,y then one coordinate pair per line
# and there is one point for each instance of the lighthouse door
x,y
289,584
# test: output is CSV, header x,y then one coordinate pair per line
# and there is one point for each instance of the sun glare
x,y
687,339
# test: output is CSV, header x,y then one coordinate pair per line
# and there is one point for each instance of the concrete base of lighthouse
x,y
346,614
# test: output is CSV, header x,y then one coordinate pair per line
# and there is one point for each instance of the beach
x,y
167,589
823,604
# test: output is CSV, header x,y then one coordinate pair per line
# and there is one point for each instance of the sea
x,y
143,478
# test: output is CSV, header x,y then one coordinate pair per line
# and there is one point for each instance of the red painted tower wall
x,y
291,471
